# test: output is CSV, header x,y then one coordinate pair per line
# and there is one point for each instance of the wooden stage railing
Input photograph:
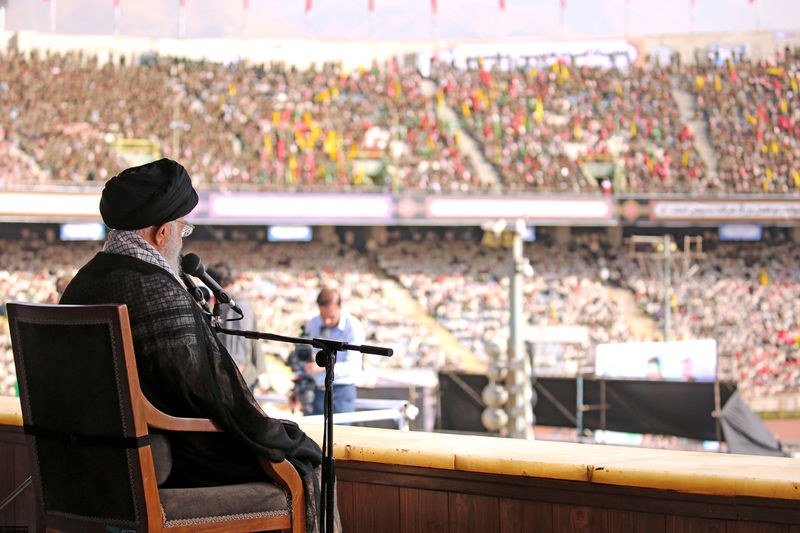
x,y
398,481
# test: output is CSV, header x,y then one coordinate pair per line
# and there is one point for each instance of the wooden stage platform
x,y
395,481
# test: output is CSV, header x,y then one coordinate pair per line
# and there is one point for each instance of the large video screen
x,y
289,233
691,360
91,231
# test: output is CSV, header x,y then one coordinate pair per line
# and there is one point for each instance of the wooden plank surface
x,y
520,516
683,524
380,496
472,514
423,511
635,522
580,519
375,508
344,502
668,470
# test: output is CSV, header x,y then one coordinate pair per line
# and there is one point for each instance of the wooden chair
x,y
88,423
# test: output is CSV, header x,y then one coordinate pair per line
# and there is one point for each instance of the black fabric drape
x,y
744,431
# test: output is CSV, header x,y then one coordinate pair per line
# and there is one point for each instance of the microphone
x,y
200,294
192,265
377,350
205,292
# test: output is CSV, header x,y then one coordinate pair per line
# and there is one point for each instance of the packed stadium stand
x,y
489,128
752,120
544,127
743,295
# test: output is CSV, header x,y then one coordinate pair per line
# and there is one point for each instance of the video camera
x,y
302,354
304,386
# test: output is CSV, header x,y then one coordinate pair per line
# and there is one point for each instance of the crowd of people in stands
x,y
381,127
240,127
234,127
747,297
539,125
280,280
465,286
743,295
753,119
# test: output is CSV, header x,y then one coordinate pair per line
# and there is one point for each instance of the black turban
x,y
147,195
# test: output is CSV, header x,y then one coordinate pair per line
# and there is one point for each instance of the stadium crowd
x,y
754,121
276,127
234,126
240,127
465,286
538,126
280,280
745,295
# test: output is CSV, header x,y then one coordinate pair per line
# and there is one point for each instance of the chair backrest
x,y
77,412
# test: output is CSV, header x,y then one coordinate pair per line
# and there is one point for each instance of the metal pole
x,y
627,17
756,4
52,16
117,19
667,293
244,22
579,407
717,410
604,404
520,410
182,20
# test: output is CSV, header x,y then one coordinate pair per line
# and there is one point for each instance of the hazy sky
x,y
405,19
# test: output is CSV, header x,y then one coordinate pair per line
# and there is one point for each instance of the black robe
x,y
185,371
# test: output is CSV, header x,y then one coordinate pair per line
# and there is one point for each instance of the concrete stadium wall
x,y
760,45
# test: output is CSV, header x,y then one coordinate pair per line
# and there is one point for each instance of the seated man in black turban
x,y
183,368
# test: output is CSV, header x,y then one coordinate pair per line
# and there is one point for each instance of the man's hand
x,y
313,368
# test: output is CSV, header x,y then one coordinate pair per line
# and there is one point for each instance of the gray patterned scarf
x,y
125,242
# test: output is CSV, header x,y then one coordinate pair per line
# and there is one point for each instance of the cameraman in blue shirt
x,y
335,323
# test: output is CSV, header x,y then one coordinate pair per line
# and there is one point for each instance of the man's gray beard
x,y
172,251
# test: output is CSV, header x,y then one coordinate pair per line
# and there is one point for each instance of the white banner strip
x,y
50,204
301,206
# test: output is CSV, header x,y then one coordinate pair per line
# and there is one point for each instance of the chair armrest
x,y
159,419
285,475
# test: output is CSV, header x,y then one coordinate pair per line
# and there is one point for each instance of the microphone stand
x,y
326,357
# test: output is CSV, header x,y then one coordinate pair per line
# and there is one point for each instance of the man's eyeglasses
x,y
187,229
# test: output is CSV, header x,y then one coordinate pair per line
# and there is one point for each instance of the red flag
x,y
563,4
308,6
433,6
183,3
371,5
247,4
502,5
116,3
